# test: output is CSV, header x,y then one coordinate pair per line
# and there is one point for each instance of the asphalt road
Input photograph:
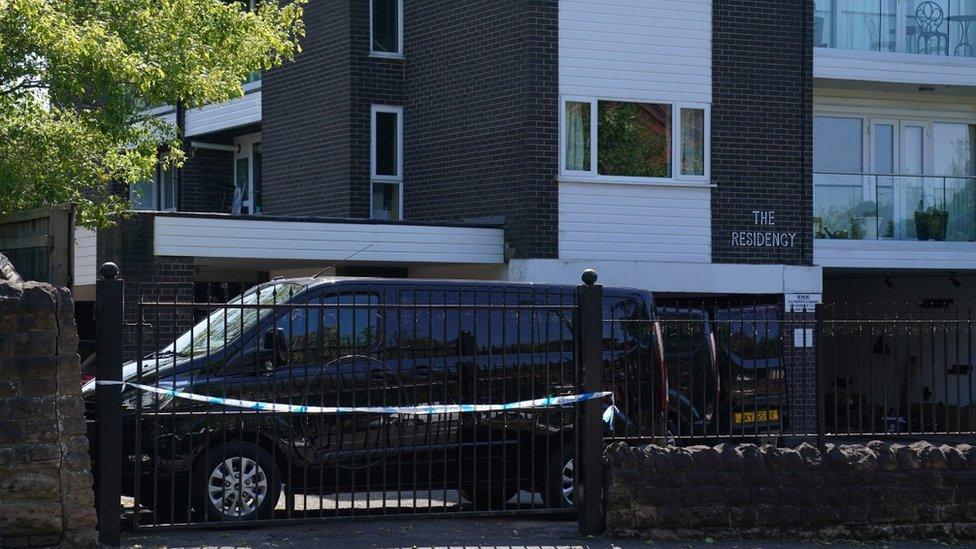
x,y
509,533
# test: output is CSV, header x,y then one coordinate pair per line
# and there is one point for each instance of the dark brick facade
x,y
129,244
479,87
482,116
762,145
306,120
208,181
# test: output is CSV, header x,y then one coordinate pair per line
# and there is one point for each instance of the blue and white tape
x,y
422,410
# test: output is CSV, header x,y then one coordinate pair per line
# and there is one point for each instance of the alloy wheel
x,y
237,487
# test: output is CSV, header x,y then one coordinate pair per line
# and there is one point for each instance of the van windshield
x,y
226,324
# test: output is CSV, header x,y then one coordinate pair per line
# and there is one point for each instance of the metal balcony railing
x,y
931,27
860,206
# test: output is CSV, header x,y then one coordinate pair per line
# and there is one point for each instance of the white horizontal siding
x,y
636,49
84,259
221,116
894,254
192,236
600,221
903,68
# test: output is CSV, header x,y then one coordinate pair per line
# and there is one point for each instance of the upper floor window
x,y
386,28
386,164
639,141
158,193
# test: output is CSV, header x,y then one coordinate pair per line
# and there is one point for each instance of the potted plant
x,y
931,224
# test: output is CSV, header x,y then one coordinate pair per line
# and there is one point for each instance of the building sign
x,y
802,303
765,235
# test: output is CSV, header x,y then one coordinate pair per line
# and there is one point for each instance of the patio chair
x,y
929,36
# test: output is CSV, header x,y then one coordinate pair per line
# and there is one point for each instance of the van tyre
x,y
238,482
560,479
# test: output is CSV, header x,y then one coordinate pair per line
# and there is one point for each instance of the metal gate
x,y
324,399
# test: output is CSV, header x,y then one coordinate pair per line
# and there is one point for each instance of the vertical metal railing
x,y
589,431
108,404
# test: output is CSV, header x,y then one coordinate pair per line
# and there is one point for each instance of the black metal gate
x,y
314,400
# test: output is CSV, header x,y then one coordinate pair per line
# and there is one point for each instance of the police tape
x,y
422,410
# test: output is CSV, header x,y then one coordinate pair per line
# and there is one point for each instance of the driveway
x,y
509,533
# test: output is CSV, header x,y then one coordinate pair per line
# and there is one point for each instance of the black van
x,y
725,370
379,342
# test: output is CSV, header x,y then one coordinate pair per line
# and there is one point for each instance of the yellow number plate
x,y
754,417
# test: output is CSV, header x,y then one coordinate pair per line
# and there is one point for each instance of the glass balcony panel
x,y
837,200
961,209
894,207
928,27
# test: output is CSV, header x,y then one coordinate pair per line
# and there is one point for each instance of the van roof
x,y
313,282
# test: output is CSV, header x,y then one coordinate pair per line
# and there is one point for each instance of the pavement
x,y
418,532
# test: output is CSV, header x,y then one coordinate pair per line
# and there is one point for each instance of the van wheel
x,y
239,482
560,487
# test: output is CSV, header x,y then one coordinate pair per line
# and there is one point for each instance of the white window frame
x,y
245,151
156,199
386,179
387,54
593,175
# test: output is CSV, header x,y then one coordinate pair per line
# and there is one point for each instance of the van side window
x,y
750,335
619,334
319,334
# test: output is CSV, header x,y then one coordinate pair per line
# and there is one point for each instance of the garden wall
x,y
45,478
874,491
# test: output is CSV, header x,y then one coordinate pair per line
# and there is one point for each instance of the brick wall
x,y
208,181
306,120
874,491
479,87
482,116
129,244
762,143
45,476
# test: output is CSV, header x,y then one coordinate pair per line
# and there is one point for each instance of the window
x,y
318,334
955,148
247,176
386,28
387,162
628,140
837,144
159,193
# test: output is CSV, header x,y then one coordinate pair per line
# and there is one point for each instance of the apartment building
x,y
667,144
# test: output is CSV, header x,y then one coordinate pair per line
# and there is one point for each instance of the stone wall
x,y
45,477
874,491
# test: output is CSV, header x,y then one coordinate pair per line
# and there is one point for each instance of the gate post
x,y
108,404
820,378
589,428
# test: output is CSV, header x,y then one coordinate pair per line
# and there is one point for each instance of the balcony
x,y
928,27
849,206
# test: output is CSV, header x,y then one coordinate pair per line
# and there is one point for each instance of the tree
x,y
75,75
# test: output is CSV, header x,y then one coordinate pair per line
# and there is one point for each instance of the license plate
x,y
755,417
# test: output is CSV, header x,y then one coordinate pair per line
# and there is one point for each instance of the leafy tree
x,y
75,73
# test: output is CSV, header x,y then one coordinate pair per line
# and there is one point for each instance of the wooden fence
x,y
40,243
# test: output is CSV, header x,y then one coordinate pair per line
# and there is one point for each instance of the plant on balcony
x,y
931,224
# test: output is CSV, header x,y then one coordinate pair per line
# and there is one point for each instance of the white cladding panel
x,y
903,68
603,221
216,237
221,116
636,49
85,260
894,254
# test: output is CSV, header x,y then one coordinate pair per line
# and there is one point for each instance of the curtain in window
x,y
577,136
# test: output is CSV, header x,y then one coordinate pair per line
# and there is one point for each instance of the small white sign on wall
x,y
803,337
802,303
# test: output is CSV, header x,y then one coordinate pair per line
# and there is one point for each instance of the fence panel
x,y
40,242
222,423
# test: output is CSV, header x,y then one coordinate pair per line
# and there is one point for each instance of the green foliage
x,y
74,72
